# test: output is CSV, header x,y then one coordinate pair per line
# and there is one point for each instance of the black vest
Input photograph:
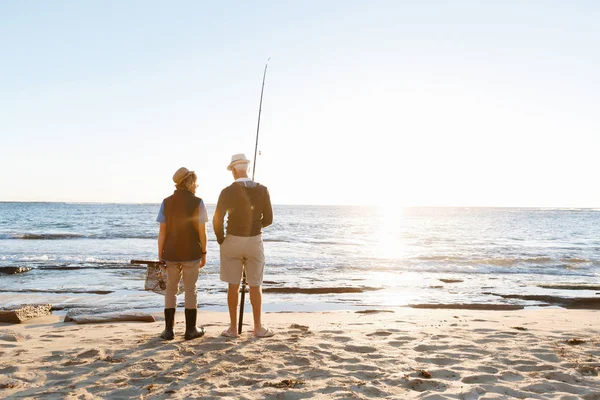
x,y
182,242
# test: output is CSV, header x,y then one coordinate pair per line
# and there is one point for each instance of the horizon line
x,y
315,205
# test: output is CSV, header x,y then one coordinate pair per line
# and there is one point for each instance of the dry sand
x,y
402,354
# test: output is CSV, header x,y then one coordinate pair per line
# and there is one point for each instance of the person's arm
x,y
162,234
202,220
218,225
202,232
267,217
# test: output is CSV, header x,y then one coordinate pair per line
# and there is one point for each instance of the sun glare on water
x,y
389,240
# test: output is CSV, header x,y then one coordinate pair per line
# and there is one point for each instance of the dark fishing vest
x,y
182,242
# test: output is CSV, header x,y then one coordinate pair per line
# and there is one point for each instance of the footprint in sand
x,y
472,394
370,391
591,396
429,347
91,354
405,338
299,361
562,377
215,346
534,368
244,382
510,376
442,361
484,378
9,370
27,376
299,327
379,333
334,332
360,349
8,335
342,339
278,347
483,330
398,343
489,370
420,385
445,374
541,388
549,357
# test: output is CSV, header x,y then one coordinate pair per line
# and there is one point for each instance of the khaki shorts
x,y
241,251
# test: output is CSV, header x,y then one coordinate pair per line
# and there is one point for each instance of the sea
x,y
319,257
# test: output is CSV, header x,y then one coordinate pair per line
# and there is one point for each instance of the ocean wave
x,y
62,236
276,240
311,241
46,236
103,266
499,261
489,269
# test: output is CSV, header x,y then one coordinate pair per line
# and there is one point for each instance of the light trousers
x,y
190,271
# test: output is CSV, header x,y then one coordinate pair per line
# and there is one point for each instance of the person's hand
x,y
203,261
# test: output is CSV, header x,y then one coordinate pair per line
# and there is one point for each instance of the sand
x,y
402,353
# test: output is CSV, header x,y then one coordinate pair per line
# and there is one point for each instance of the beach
x,y
401,353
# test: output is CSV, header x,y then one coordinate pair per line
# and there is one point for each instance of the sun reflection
x,y
390,241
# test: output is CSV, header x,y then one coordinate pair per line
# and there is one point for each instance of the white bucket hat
x,y
237,159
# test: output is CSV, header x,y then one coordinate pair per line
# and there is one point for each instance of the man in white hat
x,y
182,245
248,208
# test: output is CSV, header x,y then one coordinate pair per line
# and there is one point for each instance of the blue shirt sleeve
x,y
202,214
161,214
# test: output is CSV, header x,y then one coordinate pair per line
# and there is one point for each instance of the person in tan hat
x,y
248,208
182,245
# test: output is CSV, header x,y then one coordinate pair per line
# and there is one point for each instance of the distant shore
x,y
547,353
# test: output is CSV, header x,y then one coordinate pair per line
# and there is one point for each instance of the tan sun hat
x,y
181,174
237,159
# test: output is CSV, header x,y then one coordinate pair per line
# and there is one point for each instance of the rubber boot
x,y
191,332
168,334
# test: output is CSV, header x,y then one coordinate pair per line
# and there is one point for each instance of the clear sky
x,y
468,103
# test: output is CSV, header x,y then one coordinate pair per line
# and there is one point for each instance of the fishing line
x,y
243,288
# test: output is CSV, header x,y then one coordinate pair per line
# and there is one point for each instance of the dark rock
x,y
451,280
588,303
373,311
119,316
19,314
323,290
14,270
574,286
76,291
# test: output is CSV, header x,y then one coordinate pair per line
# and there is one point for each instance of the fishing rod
x,y
243,288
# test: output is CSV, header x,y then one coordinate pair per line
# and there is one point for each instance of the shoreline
x,y
544,353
